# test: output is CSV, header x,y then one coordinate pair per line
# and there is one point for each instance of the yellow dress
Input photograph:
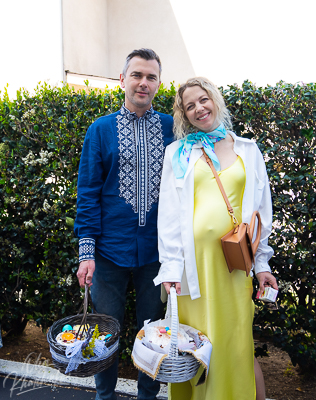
x,y
225,310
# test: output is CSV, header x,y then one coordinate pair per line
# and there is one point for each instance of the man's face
x,y
141,83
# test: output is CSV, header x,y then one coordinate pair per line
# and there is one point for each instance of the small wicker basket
x,y
105,323
176,367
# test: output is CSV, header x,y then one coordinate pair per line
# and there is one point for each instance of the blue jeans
x,y
108,294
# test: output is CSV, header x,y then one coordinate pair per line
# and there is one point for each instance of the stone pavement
x,y
33,380
9,388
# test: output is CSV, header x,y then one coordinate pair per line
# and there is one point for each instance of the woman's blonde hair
x,y
182,125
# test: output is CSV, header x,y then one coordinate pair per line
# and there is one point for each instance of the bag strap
x,y
255,244
229,207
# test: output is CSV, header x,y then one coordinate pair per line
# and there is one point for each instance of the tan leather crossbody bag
x,y
239,251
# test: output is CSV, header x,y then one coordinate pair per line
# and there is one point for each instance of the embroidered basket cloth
x,y
177,365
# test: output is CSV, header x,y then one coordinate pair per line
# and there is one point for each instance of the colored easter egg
x,y
67,328
67,336
167,328
162,331
169,332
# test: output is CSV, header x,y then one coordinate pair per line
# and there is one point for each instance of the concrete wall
x,y
85,37
99,34
133,24
227,41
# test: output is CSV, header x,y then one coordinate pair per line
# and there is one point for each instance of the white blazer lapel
x,y
196,153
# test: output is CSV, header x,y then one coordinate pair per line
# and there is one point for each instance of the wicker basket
x,y
176,367
105,323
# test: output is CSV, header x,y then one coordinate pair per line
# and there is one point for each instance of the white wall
x,y
133,24
227,41
85,33
99,34
31,43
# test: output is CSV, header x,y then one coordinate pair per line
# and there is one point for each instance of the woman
x,y
191,220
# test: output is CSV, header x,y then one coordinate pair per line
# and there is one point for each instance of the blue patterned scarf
x,y
181,157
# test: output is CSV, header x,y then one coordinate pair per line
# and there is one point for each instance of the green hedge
x,y
282,119
41,136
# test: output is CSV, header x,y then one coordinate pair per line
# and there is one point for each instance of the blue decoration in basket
x,y
67,328
74,353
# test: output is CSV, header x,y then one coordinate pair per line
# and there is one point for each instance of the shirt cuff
x,y
262,267
86,249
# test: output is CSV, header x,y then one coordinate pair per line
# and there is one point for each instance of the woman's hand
x,y
168,285
266,279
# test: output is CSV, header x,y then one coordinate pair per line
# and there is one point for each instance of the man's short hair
x,y
146,54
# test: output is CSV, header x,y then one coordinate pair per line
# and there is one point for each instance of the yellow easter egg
x,y
76,328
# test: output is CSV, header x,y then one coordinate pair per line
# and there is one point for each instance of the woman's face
x,y
199,109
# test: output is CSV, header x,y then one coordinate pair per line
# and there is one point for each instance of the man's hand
x,y
266,279
85,272
168,285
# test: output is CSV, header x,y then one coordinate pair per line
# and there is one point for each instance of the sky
x,y
263,41
229,40
30,44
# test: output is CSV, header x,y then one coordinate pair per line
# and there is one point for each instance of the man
x,y
118,187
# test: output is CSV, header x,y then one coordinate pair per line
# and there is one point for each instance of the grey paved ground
x,y
22,389
33,381
20,381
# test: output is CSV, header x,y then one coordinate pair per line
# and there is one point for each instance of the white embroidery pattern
x,y
86,249
127,160
141,151
155,149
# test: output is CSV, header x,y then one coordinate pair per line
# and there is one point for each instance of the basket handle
x,y
84,305
173,307
87,299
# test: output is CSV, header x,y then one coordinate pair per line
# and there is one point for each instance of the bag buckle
x,y
235,221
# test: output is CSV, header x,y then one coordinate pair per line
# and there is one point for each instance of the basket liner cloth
x,y
74,356
149,361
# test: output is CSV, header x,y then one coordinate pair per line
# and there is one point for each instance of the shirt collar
x,y
132,115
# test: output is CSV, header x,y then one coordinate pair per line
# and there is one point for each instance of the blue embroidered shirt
x,y
118,187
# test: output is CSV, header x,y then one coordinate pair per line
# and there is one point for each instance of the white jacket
x,y
176,207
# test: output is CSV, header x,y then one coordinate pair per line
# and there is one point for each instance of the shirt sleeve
x,y
171,254
90,182
264,251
